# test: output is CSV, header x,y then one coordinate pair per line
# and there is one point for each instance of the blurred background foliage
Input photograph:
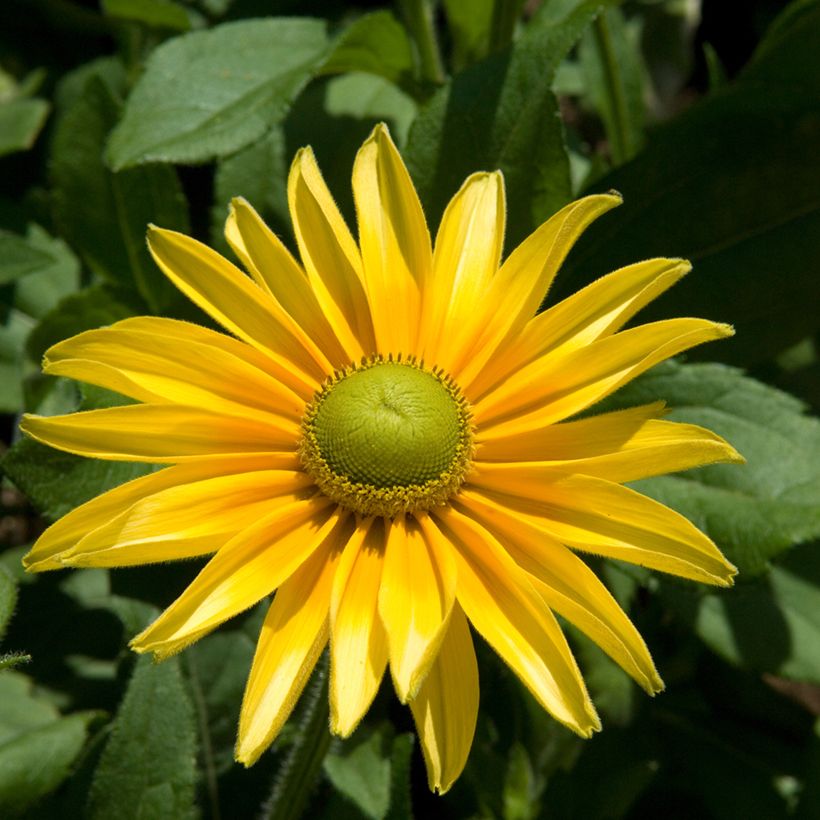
x,y
705,115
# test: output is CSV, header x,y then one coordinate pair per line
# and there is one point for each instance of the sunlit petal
x,y
446,707
358,644
292,638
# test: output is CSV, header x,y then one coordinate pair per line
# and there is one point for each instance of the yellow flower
x,y
383,441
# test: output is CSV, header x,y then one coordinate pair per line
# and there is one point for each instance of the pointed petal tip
x,y
615,194
340,728
246,755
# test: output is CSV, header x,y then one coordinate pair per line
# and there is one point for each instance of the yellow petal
x,y
653,447
245,570
272,266
187,520
157,433
446,706
415,598
597,310
358,644
552,388
395,243
525,277
569,587
147,367
68,530
240,306
330,255
466,257
606,519
187,333
606,433
292,638
502,605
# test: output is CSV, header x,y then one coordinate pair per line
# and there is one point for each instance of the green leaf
x,y
217,668
611,689
156,13
104,214
147,766
333,115
57,482
34,293
376,43
20,122
469,22
37,746
258,173
519,786
19,257
208,94
13,333
360,770
770,625
8,599
697,190
38,292
501,113
615,79
753,511
401,807
85,310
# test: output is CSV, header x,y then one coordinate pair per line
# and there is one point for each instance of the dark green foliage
x,y
120,113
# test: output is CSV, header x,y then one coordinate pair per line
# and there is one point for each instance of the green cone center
x,y
387,437
389,425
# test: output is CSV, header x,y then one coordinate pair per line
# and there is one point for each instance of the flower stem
x,y
418,15
297,775
619,136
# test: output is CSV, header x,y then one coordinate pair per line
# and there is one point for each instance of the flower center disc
x,y
387,437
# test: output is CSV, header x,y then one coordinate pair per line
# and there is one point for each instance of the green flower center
x,y
387,437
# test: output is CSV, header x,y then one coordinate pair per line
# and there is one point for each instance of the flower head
x,y
383,440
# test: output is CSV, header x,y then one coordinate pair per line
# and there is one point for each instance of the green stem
x,y
418,15
619,133
298,774
505,16
205,736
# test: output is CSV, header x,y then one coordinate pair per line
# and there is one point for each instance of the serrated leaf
x,y
208,94
37,745
753,511
376,43
501,113
334,115
103,214
147,766
696,191
20,122
57,482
